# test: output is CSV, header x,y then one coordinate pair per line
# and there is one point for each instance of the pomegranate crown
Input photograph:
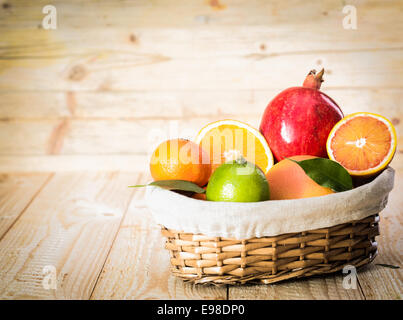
x,y
313,80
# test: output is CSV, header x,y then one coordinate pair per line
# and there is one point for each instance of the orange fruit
x,y
287,180
363,143
180,159
227,140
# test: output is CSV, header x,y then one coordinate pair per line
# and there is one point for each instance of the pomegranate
x,y
299,119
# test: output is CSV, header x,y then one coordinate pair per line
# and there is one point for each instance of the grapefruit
x,y
288,180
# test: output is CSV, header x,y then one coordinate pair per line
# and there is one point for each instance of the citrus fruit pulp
x,y
238,181
226,140
363,143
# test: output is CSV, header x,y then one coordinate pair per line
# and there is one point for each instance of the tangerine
x,y
180,159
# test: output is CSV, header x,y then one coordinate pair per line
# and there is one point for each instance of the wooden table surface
x,y
99,237
81,106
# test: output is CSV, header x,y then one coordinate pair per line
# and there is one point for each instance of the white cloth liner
x,y
267,218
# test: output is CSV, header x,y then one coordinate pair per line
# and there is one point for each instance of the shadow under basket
x,y
216,260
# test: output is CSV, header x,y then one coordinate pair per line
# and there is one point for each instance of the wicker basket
x,y
270,241
218,260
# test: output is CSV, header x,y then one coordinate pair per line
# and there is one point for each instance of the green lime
x,y
238,181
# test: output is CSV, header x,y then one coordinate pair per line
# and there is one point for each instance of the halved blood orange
x,y
364,143
226,140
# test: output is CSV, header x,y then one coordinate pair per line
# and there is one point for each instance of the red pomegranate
x,y
298,120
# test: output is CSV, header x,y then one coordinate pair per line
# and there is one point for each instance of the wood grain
x,y
106,137
89,123
316,288
196,46
176,105
129,14
67,226
119,71
101,137
70,225
63,163
107,77
142,24
379,282
138,265
16,194
94,126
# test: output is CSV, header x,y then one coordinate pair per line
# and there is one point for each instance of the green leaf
x,y
182,185
327,173
387,265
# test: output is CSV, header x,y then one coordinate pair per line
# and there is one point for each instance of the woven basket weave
x,y
201,259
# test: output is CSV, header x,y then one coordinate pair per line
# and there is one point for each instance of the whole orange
x,y
180,159
287,180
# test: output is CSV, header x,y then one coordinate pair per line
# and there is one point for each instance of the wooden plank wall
x,y
114,78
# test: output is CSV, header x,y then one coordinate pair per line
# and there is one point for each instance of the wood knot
x,y
395,121
216,5
77,73
6,5
133,38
